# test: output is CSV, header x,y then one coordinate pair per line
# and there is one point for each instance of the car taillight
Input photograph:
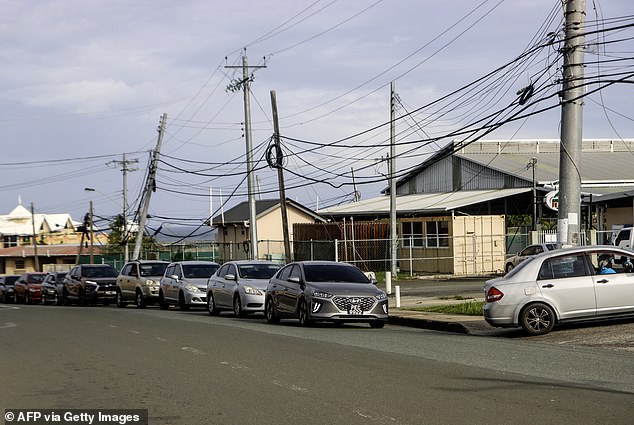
x,y
494,294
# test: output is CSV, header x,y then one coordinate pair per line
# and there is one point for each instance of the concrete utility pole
x,y
532,164
392,173
124,163
253,233
149,188
280,178
569,218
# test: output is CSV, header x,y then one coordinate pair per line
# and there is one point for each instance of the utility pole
x,y
92,235
279,157
568,221
357,195
124,163
149,188
35,257
532,164
392,173
253,233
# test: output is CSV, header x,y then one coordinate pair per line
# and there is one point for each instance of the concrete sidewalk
x,y
470,325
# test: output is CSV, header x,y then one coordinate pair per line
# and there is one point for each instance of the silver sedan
x,y
569,284
239,286
325,291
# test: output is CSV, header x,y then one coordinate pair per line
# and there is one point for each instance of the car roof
x,y
194,262
581,249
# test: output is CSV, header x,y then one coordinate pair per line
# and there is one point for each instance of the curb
x,y
421,323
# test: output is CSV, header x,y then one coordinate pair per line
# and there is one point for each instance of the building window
x,y
437,234
412,233
19,264
10,241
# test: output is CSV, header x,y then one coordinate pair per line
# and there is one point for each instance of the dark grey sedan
x,y
325,291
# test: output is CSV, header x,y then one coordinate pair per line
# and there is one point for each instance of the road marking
x,y
193,350
235,365
9,307
9,325
291,387
161,339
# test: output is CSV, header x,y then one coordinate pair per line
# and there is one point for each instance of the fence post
x,y
411,254
337,250
388,282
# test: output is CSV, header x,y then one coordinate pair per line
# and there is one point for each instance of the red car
x,y
28,288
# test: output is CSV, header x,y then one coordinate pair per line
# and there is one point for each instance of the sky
x,y
85,82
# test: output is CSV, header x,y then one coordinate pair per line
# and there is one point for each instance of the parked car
x,y
140,281
185,284
239,286
560,286
90,284
28,289
7,287
529,251
52,287
325,291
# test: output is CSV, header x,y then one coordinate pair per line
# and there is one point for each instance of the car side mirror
x,y
294,279
175,277
374,281
230,277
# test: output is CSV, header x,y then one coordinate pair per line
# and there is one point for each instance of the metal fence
x,y
466,255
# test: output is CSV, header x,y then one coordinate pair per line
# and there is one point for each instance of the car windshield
x,y
258,271
153,269
199,271
35,278
10,279
334,273
92,271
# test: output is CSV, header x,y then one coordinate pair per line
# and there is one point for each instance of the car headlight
x,y
382,296
191,288
252,291
321,294
33,290
151,282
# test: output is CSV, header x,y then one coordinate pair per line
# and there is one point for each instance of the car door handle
x,y
603,281
550,285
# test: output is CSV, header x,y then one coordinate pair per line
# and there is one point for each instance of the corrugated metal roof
x,y
422,202
602,161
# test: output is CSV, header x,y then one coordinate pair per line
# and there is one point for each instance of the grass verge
x,y
469,308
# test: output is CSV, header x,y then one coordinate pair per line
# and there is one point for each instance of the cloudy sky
x,y
84,82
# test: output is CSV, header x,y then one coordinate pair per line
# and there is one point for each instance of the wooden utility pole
x,y
569,216
36,258
279,157
149,188
125,231
92,235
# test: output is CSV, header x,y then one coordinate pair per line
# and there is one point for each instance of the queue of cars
x,y
309,291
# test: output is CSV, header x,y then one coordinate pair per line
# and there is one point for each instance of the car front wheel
x,y
237,306
211,305
120,302
162,304
509,267
269,311
537,319
140,300
181,302
302,314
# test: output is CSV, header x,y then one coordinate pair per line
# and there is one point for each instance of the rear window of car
x,y
199,271
35,278
10,279
153,269
334,273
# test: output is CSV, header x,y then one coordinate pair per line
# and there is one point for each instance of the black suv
x,y
90,284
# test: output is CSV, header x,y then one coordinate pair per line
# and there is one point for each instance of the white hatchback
x,y
569,284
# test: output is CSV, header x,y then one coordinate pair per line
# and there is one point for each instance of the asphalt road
x,y
189,368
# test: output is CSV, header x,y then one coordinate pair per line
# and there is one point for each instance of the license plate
x,y
355,309
111,293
